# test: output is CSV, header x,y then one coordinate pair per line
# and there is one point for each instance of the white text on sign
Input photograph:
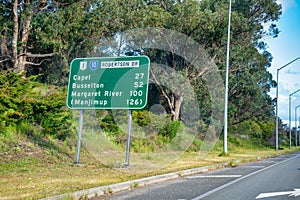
x,y
120,64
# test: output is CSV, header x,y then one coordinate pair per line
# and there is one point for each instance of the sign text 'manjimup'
x,y
88,102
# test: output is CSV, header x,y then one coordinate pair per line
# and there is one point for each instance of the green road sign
x,y
108,83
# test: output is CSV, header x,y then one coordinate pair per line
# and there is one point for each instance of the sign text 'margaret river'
x,y
96,94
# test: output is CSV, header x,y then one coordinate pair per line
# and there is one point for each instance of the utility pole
x,y
226,82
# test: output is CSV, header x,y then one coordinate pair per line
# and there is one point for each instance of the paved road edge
x,y
123,186
118,187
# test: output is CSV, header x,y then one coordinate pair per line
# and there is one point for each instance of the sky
x,y
284,49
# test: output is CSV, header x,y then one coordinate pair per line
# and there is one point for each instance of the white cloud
x,y
289,82
286,4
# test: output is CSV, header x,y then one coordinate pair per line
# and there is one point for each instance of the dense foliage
x,y
33,108
40,38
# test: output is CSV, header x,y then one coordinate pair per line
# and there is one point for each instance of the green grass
x,y
45,167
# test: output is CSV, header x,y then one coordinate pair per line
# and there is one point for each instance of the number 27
x,y
139,75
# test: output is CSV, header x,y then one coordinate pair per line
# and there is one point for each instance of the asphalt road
x,y
270,179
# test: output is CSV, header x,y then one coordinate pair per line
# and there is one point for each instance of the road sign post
x,y
128,138
79,137
108,83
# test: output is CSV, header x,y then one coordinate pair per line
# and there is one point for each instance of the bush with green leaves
x,y
41,107
157,130
170,130
255,131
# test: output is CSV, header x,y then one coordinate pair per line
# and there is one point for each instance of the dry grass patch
x,y
43,176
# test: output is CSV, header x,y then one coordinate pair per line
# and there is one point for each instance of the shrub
x,y
170,130
24,101
108,124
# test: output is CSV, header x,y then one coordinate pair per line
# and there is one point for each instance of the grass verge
x,y
37,174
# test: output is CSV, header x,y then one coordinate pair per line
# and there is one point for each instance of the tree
x,y
75,29
16,27
206,22
37,34
51,33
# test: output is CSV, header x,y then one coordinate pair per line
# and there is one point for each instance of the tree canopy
x,y
42,37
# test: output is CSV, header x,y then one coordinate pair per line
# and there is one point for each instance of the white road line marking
x,y
239,179
270,162
214,176
253,166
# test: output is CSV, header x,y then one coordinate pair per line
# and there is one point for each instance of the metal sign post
x,y
79,137
128,138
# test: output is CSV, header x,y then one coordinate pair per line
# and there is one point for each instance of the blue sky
x,y
285,48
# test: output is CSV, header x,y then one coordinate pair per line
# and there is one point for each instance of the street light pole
x,y
276,145
226,82
296,125
290,106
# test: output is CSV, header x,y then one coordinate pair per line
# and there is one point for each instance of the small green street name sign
x,y
108,83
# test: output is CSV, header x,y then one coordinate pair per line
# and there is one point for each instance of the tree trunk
x,y
173,100
4,54
23,13
23,50
20,52
3,47
176,109
15,35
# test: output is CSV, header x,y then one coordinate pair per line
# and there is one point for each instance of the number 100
x,y
136,93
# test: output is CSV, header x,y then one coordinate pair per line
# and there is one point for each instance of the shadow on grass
x,y
53,147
